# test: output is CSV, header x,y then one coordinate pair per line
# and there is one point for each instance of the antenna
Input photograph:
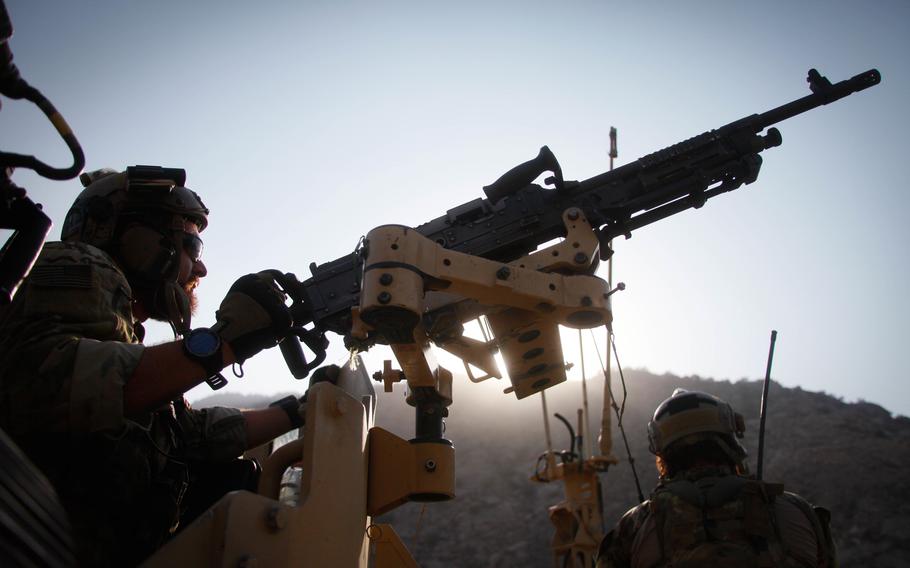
x,y
613,152
605,440
764,406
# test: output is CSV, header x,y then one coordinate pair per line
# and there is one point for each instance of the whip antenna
x,y
605,439
764,406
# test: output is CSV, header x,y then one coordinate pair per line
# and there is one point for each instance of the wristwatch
x,y
204,346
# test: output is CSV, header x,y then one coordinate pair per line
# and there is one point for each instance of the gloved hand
x,y
253,315
296,408
326,374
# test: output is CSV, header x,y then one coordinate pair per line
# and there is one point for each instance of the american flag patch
x,y
78,276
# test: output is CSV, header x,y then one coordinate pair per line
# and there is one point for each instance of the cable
x,y
571,432
620,410
21,89
625,439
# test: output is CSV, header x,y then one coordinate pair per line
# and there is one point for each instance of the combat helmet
x,y
692,416
136,217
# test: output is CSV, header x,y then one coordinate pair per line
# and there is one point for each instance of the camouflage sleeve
x,y
67,344
616,547
100,370
213,434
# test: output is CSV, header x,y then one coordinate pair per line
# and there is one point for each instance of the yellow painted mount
x,y
402,471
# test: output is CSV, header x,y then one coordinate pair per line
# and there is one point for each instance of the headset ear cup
x,y
173,303
146,253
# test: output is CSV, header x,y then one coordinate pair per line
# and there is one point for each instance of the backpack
x,y
820,518
728,521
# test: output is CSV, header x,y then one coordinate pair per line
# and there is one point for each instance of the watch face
x,y
202,342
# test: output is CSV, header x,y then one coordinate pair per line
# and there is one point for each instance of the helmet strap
x,y
176,306
172,301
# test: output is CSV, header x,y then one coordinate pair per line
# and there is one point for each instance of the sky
x,y
305,124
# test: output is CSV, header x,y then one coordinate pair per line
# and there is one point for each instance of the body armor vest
x,y
718,521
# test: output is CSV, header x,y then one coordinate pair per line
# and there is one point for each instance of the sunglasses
x,y
192,244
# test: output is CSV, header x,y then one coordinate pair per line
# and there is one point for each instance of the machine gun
x,y
409,288
517,216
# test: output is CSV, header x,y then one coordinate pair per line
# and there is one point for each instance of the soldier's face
x,y
191,266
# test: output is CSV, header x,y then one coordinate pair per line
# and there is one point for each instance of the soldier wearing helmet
x,y
142,218
706,510
100,413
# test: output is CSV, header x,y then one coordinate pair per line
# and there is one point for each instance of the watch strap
x,y
291,407
216,381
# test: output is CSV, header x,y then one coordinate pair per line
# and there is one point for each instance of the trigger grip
x,y
293,356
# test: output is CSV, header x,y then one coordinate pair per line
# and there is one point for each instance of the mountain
x,y
851,458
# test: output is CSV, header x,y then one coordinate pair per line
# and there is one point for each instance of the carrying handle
x,y
523,174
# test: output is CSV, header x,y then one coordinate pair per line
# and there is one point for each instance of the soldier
x,y
100,413
705,510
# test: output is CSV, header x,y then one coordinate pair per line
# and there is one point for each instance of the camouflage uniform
x,y
68,345
709,517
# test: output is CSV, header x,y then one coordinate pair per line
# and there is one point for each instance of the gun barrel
x,y
823,92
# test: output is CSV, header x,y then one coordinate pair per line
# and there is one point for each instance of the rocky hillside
x,y
849,457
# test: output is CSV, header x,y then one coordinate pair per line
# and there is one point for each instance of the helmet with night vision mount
x,y
688,417
138,217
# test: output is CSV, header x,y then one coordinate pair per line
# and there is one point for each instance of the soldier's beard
x,y
190,289
154,300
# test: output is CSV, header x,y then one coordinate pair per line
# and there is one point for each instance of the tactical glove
x,y
328,373
296,408
253,315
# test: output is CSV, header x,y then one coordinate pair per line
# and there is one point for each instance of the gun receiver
x,y
518,215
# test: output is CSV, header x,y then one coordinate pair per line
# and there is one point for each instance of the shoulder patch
x,y
57,276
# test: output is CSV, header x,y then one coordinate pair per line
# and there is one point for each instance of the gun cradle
x,y
525,302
